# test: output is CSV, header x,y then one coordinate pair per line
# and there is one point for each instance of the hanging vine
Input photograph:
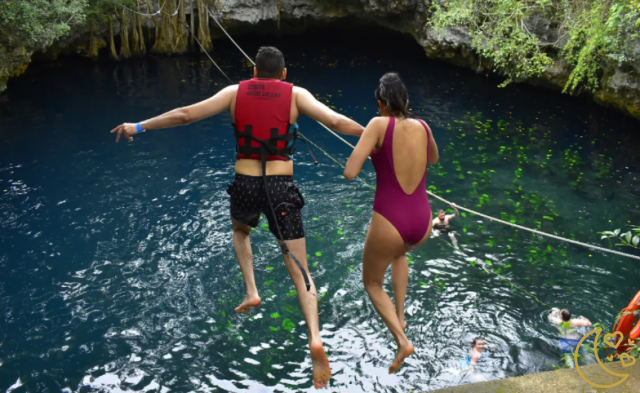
x,y
204,34
112,44
125,51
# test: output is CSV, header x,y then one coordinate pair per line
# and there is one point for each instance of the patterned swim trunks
x,y
249,201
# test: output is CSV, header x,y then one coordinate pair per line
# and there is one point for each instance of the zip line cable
x,y
144,14
534,231
227,34
207,53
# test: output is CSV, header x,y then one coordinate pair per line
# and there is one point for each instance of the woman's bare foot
x,y
248,304
403,352
321,369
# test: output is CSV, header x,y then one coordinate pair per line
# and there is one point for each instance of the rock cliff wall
x,y
619,88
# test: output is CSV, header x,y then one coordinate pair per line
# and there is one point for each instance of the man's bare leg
x,y
454,241
309,305
242,247
400,280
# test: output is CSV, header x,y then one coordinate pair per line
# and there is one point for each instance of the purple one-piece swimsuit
x,y
410,214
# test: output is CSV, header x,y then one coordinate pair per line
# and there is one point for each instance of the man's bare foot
x,y
321,369
248,304
403,352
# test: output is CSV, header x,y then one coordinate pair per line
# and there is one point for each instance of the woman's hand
x,y
126,129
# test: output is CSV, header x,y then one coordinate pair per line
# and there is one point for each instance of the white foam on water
x,y
14,386
251,361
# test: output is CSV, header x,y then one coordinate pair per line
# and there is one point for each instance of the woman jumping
x,y
401,147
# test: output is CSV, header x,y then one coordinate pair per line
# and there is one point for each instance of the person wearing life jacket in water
x,y
265,110
442,225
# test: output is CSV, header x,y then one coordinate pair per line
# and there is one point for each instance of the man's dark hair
x,y
566,315
440,211
475,341
269,63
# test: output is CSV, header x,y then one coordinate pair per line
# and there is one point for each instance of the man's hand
x,y
126,129
453,205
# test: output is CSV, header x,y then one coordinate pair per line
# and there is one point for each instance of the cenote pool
x,y
118,272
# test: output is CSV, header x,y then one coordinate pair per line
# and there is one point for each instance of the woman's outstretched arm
x,y
365,146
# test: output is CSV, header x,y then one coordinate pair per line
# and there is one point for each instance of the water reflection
x,y
118,270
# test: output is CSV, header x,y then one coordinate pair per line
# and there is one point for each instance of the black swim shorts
x,y
249,201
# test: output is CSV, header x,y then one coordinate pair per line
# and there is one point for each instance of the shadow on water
x,y
117,261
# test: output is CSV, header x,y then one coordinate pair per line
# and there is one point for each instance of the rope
x,y
143,14
207,53
227,34
534,231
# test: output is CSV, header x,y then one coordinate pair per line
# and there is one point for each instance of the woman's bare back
x,y
410,143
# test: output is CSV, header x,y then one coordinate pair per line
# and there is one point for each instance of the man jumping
x,y
265,110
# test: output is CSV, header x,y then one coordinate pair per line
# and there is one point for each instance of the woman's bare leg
x,y
400,280
384,244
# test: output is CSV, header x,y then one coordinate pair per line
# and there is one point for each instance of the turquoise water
x,y
117,266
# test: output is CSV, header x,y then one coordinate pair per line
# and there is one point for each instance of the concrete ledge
x,y
559,381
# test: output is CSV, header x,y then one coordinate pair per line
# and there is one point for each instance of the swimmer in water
x,y
401,147
475,355
442,226
571,331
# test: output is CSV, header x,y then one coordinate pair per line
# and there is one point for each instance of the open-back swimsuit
x,y
410,214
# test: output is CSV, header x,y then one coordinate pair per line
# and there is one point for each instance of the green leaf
x,y
275,315
424,284
463,214
316,219
507,266
488,262
548,218
292,293
266,283
340,232
269,268
350,268
635,241
473,263
275,329
318,254
288,325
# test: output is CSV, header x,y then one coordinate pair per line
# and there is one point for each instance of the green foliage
x,y
630,238
591,34
35,24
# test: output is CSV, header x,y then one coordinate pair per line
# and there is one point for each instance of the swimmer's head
x,y
392,96
566,315
478,344
441,214
269,64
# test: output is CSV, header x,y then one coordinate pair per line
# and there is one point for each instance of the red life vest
x,y
263,111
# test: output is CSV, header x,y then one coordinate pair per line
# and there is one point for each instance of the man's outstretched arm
x,y
308,105
181,116
455,214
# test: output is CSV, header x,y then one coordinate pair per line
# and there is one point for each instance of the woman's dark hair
x,y
566,315
269,63
393,94
475,341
